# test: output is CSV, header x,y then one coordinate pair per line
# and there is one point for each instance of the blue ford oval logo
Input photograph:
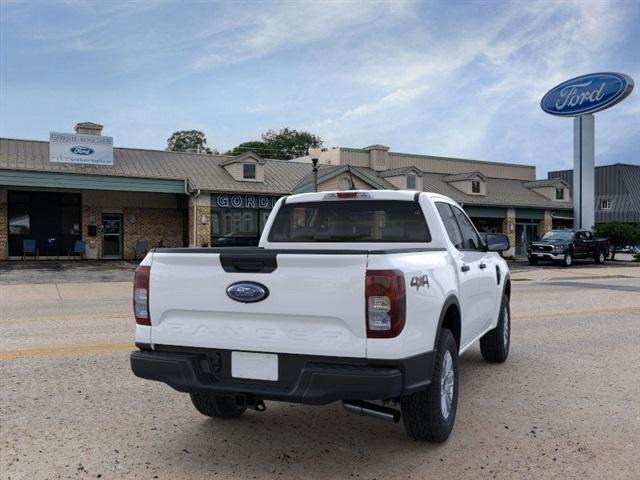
x,y
247,292
587,94
79,150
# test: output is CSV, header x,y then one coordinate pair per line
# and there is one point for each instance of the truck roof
x,y
407,195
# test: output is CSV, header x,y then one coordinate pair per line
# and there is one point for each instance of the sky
x,y
452,78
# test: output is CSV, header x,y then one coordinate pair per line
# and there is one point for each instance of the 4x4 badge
x,y
418,281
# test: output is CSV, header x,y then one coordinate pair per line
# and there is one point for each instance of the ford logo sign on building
x,y
79,150
247,292
587,94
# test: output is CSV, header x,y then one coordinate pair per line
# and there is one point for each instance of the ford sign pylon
x,y
580,97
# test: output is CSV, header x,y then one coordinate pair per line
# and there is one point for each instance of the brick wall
x,y
203,230
152,225
545,224
509,229
91,215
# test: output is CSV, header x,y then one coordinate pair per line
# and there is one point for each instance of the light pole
x,y
314,153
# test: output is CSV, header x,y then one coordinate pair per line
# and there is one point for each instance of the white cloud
x,y
485,80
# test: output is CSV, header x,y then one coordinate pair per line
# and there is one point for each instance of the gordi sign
x,y
75,148
580,97
587,94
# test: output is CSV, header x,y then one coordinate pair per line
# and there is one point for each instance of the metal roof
x,y
620,184
463,176
400,171
327,172
499,192
201,170
282,177
547,182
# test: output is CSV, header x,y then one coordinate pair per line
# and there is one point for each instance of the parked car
x,y
628,249
565,246
351,296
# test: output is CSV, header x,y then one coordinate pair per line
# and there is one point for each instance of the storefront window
x,y
19,220
488,225
52,219
238,220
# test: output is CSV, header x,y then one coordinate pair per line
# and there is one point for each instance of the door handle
x,y
483,266
465,268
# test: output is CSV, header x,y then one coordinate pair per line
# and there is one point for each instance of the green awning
x,y
486,212
529,213
24,178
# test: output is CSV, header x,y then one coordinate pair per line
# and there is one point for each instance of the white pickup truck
x,y
365,297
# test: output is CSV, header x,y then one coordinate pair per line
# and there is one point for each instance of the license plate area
x,y
254,366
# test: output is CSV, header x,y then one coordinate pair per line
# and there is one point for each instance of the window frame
x,y
560,191
479,184
244,171
412,177
481,244
314,204
607,202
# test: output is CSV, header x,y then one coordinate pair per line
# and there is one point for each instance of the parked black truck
x,y
564,246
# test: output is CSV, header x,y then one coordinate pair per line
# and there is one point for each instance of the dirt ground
x,y
565,404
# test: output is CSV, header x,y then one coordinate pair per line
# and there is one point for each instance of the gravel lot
x,y
565,405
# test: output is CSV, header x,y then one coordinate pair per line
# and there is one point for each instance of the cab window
x,y
450,224
459,228
470,237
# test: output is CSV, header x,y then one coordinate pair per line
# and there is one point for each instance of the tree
x,y
619,234
188,141
288,144
257,147
284,144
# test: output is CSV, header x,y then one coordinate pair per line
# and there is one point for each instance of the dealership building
x,y
118,202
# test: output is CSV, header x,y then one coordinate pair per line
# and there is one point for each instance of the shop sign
x,y
80,149
239,200
587,94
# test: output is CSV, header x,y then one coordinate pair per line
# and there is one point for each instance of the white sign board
x,y
75,148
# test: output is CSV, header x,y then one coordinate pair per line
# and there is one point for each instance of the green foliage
x,y
188,141
619,234
257,147
284,144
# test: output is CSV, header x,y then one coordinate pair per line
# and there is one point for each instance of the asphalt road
x,y
565,405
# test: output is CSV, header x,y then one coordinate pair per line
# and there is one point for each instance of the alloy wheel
x,y
447,380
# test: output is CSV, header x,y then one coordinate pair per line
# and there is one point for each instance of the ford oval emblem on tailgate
x,y
247,292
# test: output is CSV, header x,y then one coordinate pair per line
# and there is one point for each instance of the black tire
x,y
216,406
600,257
422,413
494,345
532,260
567,261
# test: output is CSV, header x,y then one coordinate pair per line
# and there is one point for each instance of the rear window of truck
x,y
350,221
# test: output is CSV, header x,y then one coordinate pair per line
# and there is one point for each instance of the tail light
x,y
386,303
141,295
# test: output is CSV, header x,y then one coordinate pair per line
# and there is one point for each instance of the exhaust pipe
x,y
360,407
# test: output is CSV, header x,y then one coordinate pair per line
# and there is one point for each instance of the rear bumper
x,y
302,378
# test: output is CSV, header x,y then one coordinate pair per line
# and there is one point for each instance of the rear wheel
x,y
216,406
494,345
567,261
428,415
533,260
600,257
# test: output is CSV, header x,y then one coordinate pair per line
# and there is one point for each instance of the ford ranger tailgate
x,y
313,302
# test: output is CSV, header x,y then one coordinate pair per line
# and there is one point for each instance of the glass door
x,y
525,233
111,235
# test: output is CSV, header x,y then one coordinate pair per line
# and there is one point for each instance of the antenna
x,y
353,185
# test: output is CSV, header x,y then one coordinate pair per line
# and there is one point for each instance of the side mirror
x,y
497,242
